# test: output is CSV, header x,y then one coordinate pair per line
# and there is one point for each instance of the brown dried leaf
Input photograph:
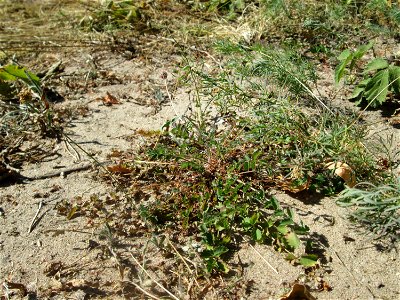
x,y
298,292
119,169
16,286
289,185
53,268
109,100
344,171
324,286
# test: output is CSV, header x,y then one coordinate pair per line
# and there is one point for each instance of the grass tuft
x,y
375,206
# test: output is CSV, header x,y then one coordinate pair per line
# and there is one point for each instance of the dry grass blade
x,y
156,282
34,220
143,291
184,261
263,258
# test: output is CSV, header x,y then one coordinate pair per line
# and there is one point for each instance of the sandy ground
x,y
353,266
57,258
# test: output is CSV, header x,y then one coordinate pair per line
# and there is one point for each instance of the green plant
x,y
211,182
228,7
30,112
115,15
375,206
283,68
24,113
379,76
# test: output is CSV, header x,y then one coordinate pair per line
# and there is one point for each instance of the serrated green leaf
x,y
394,77
358,91
308,260
376,64
377,89
293,240
364,82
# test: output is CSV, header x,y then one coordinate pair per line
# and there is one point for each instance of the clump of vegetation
x,y
284,70
124,14
208,175
375,206
381,79
227,7
24,114
320,26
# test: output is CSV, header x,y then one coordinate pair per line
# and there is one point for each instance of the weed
x,y
283,67
115,15
208,176
230,8
379,77
24,113
376,207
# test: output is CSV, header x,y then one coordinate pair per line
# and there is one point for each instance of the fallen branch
x,y
65,171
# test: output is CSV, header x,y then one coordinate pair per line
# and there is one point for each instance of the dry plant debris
x,y
196,188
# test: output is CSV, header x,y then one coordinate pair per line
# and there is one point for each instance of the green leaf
x,y
308,260
377,89
251,221
341,68
290,257
14,72
362,50
283,226
376,64
73,213
394,76
282,229
360,53
358,91
293,240
258,235
223,267
219,250
226,239
344,55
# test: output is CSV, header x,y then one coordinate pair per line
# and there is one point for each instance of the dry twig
x,y
157,283
35,220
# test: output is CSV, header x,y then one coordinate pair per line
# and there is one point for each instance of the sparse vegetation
x,y
113,15
210,174
25,114
375,206
258,122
